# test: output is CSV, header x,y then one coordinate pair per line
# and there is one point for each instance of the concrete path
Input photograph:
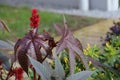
x,y
92,34
91,13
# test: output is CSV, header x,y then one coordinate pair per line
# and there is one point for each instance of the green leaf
x,y
5,61
40,69
80,76
6,46
59,69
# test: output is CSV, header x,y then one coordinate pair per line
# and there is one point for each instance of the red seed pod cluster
x,y
34,19
18,72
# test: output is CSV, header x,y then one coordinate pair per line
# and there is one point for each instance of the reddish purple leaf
x,y
16,47
72,61
38,54
72,44
31,45
21,48
80,54
23,60
79,45
60,47
58,29
4,60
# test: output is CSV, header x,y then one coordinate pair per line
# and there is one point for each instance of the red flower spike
x,y
34,11
32,44
18,73
34,19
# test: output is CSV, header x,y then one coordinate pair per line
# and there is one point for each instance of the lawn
x,y
17,20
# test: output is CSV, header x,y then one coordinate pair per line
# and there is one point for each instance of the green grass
x,y
18,21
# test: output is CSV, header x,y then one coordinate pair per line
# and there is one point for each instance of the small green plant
x,y
107,57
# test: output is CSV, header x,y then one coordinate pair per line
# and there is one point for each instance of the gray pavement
x,y
92,13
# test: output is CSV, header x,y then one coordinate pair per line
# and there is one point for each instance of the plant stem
x,y
34,72
8,76
9,73
39,77
44,58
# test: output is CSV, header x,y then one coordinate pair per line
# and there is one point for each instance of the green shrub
x,y
108,56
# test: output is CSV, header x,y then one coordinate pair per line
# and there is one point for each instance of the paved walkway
x,y
92,34
91,13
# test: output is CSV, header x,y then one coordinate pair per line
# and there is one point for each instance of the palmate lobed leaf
x,y
72,44
83,75
46,71
59,69
79,53
72,61
23,61
48,67
20,49
40,69
31,44
5,45
5,61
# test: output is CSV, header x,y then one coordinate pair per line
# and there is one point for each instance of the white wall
x,y
98,4
106,5
113,5
84,5
44,3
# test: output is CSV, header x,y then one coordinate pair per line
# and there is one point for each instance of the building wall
x,y
44,3
113,5
98,4
106,5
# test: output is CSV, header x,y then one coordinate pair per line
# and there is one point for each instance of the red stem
x,y
39,77
8,75
34,72
44,58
